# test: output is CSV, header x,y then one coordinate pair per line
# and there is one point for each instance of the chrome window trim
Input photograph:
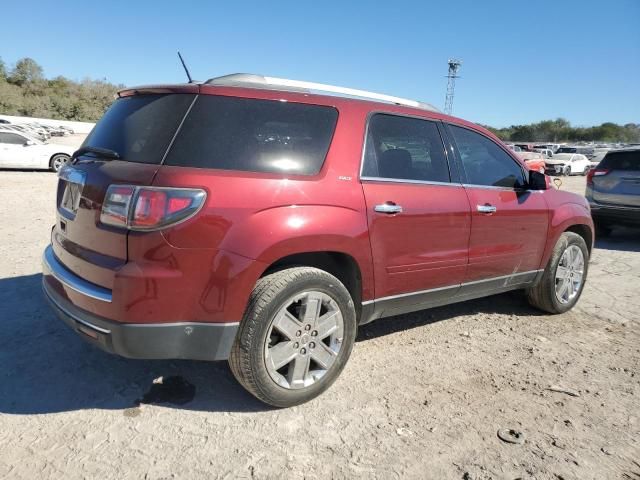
x,y
51,265
403,115
457,285
406,180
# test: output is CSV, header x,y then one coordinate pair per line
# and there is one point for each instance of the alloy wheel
x,y
304,340
569,274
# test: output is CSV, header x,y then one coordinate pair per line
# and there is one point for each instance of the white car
x,y
19,150
568,164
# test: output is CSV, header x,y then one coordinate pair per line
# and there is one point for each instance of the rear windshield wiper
x,y
99,151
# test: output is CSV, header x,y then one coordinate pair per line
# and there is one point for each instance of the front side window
x,y
404,148
484,162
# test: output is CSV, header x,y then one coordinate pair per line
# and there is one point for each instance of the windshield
x,y
139,128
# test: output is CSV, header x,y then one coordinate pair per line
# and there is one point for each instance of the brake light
x,y
149,208
595,172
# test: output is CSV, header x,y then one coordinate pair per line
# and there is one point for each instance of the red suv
x,y
257,220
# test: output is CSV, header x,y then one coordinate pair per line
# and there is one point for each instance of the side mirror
x,y
537,181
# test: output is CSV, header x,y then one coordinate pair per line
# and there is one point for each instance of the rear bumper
x,y
180,340
615,215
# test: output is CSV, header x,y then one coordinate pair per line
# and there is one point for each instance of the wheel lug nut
x,y
314,333
296,345
303,351
307,327
312,345
298,333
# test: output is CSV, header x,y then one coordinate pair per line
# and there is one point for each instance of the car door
x,y
13,152
508,222
419,218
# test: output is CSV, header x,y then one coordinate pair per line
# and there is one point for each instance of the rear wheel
x,y
58,161
296,336
563,279
586,170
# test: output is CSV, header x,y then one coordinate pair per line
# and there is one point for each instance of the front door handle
x,y
486,208
388,207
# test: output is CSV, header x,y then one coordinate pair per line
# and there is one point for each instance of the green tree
x,y
26,71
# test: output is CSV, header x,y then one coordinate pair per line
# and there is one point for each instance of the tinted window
x,y
12,139
566,150
405,149
621,161
140,127
484,162
254,135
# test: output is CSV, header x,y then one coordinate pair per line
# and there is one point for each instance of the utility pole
x,y
454,65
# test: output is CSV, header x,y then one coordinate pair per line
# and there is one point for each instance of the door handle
x,y
388,207
486,208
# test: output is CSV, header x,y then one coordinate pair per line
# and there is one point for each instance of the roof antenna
x,y
185,68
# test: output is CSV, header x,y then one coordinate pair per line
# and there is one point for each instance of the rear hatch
x,y
138,129
620,185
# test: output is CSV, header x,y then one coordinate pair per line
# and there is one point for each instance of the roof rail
x,y
273,83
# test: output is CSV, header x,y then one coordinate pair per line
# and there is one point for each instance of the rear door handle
x,y
388,207
486,208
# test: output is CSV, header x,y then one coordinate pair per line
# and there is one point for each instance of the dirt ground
x,y
423,395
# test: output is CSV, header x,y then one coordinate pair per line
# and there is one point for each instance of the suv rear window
x,y
231,133
140,127
621,161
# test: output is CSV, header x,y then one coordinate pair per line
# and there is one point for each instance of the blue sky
x,y
523,61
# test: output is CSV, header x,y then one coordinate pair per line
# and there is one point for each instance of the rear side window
x,y
140,127
12,139
404,148
484,162
253,135
621,161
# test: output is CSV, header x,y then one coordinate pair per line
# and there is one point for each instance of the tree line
x,y
560,130
25,91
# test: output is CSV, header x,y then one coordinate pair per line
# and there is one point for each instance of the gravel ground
x,y
423,395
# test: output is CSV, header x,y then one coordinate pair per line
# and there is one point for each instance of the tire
x,y
58,161
586,170
544,295
566,171
263,328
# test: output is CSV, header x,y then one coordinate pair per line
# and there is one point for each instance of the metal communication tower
x,y
454,65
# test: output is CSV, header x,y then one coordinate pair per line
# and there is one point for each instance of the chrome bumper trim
x,y
52,266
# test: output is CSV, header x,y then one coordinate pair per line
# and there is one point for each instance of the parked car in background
x,y
513,148
19,150
534,161
546,152
613,190
568,164
586,151
358,209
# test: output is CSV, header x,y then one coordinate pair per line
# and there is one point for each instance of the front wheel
x,y
566,171
564,276
295,338
58,161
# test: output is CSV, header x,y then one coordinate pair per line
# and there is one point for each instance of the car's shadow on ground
x,y
621,238
47,368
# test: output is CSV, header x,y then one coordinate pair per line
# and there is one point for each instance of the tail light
x,y
149,208
595,172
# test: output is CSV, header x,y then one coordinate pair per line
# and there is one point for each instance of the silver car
x,y
613,190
